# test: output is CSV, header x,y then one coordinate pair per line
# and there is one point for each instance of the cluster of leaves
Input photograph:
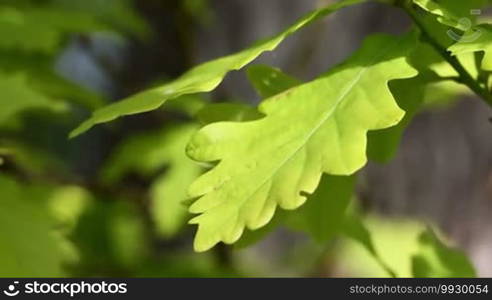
x,y
308,139
234,165
53,224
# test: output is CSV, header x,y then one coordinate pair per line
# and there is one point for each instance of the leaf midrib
x,y
311,133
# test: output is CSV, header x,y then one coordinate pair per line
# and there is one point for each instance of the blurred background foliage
x,y
113,202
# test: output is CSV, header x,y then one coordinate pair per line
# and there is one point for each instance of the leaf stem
x,y
464,76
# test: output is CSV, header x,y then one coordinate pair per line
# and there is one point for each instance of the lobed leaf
x,y
203,78
324,213
317,127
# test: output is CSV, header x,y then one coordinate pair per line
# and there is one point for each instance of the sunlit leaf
x,y
316,127
203,78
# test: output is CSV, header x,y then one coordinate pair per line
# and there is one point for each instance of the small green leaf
x,y
317,127
203,78
324,212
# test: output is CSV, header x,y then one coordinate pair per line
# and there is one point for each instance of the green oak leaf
x,y
317,127
203,78
435,259
324,212
483,43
